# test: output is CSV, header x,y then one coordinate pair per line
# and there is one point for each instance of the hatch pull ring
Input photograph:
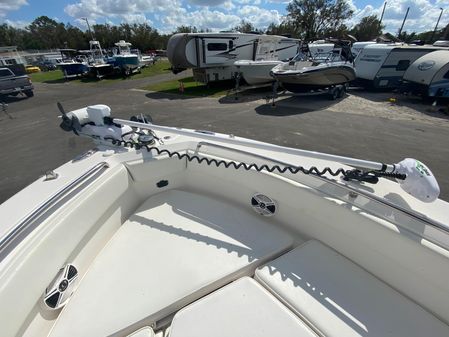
x,y
61,288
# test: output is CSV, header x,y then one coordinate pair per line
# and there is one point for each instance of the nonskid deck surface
x,y
177,247
312,287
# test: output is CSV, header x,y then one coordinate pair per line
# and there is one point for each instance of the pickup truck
x,y
10,84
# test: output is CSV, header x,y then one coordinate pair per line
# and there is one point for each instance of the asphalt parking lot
x,y
363,125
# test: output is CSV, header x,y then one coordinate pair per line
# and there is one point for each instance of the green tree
x,y
245,27
11,36
406,37
186,29
367,29
444,35
107,34
315,18
46,33
284,28
143,36
76,38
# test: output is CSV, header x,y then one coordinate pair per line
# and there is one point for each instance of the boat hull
x,y
74,69
255,73
101,70
314,79
127,61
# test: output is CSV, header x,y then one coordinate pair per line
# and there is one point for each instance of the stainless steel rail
x,y
15,235
372,197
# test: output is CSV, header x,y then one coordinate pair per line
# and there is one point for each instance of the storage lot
x,y
363,125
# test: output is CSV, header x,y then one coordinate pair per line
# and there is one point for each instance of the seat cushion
x,y
176,248
339,298
244,309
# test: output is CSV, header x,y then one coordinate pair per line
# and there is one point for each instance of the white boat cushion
x,y
339,298
176,248
243,308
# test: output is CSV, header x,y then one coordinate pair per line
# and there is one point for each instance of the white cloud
x,y
228,5
136,18
225,14
126,10
10,5
278,1
211,3
259,17
423,15
202,19
17,24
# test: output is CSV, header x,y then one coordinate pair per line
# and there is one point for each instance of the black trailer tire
x,y
341,91
29,93
333,93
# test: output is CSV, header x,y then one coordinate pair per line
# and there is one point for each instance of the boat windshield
x,y
332,56
124,49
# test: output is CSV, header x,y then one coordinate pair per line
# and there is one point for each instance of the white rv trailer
x,y
212,55
319,47
357,47
383,65
429,75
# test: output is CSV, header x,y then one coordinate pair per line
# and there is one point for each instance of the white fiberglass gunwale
x,y
245,150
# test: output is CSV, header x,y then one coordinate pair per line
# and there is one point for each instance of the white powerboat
x,y
323,70
268,54
73,64
97,61
162,230
146,60
256,72
124,59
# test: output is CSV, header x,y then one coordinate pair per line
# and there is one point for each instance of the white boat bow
x,y
198,233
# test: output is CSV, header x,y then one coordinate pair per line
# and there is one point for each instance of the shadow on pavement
x,y
295,105
168,95
12,99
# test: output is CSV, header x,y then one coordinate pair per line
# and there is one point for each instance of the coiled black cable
x,y
367,176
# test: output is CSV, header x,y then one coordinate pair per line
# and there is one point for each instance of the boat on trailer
x,y
97,61
212,56
73,64
257,71
320,71
161,230
125,60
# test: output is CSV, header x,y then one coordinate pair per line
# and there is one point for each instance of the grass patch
x,y
56,76
47,76
191,88
160,67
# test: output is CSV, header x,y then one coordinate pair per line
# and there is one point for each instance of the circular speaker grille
x,y
263,204
58,292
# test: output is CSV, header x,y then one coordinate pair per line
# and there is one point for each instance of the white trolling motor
x,y
95,122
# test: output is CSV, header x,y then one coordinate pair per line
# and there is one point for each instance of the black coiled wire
x,y
368,176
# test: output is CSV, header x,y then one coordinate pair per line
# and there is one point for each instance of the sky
x,y
166,15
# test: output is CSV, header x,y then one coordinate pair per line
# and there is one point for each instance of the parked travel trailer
x,y
358,46
212,55
10,58
429,75
319,47
383,65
